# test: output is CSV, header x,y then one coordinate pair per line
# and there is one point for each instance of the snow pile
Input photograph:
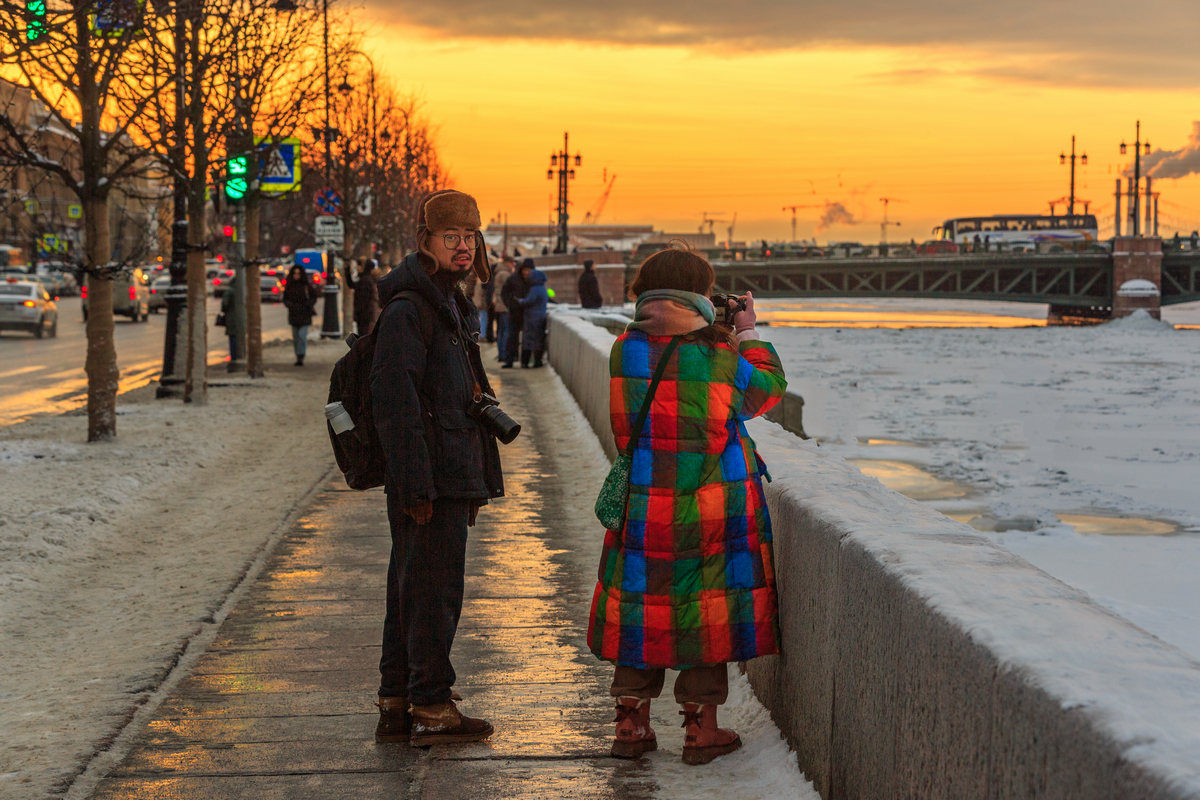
x,y
1139,320
763,768
112,556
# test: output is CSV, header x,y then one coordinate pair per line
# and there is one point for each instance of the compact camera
x,y
486,409
727,305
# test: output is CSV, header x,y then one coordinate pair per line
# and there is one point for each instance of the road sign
x,y
366,200
331,242
329,226
329,201
74,211
114,17
278,165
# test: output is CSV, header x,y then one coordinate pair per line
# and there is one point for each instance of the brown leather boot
x,y
703,740
443,723
634,734
395,723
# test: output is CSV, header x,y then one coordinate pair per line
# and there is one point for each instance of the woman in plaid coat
x,y
688,583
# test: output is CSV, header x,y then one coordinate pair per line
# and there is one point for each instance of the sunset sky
x,y
951,108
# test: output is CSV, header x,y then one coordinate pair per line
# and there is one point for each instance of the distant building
x,y
530,239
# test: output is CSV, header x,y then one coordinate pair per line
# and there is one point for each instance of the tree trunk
x,y
195,385
254,354
101,363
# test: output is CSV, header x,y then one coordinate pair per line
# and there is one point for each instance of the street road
x,y
47,375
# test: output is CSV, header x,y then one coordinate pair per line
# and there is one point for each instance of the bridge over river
x,y
1073,284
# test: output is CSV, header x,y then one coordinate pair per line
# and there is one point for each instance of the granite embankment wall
x,y
922,660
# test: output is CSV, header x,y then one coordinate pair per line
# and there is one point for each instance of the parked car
x,y
26,306
158,293
937,247
271,289
131,295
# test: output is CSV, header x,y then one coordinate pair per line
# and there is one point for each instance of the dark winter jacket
x,y
589,290
534,304
514,289
366,301
421,387
300,299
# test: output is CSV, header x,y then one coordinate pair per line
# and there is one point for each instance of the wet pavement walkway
x,y
281,703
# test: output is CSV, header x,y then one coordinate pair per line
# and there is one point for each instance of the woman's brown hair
x,y
683,269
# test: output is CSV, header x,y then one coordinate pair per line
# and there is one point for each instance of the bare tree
x,y
73,80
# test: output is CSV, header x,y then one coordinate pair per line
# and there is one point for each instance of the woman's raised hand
x,y
745,320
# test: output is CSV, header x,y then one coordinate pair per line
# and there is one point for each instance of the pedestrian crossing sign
x,y
278,164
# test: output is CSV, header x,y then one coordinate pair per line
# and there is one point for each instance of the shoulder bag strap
x,y
645,412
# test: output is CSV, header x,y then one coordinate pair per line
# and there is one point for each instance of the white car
x,y
26,306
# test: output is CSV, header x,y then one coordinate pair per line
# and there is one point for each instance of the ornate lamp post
x,y
566,173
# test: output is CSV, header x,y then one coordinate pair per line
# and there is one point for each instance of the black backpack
x,y
358,452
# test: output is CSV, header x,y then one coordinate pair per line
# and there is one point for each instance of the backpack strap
x,y
424,310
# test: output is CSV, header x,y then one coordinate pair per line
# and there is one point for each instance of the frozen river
x,y
1077,448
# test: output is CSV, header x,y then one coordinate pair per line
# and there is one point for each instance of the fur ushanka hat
x,y
450,208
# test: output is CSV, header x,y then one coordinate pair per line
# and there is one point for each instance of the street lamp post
x,y
566,173
1062,159
1135,191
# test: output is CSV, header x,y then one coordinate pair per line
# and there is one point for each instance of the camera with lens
x,y
486,409
727,305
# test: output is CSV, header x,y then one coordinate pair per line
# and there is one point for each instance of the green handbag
x,y
613,500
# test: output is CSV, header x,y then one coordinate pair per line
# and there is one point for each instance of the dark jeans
x,y
424,601
512,346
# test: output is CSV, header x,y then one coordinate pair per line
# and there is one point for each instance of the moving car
x,y
131,295
158,293
26,306
272,289
937,247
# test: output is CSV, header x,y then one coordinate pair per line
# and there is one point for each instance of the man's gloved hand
x,y
421,512
472,515
745,320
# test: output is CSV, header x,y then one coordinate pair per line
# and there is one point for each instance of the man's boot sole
x,y
451,738
392,738
633,749
702,755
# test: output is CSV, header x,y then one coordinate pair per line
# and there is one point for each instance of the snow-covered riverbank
x,y
1038,435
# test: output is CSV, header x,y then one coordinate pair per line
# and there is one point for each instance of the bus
x,y
1020,229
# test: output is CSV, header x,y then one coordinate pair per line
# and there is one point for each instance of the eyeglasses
x,y
452,239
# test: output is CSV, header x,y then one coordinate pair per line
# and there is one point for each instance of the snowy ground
x,y
114,556
1050,439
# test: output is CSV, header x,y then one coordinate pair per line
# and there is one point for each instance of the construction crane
x,y
793,210
710,221
594,212
883,226
729,242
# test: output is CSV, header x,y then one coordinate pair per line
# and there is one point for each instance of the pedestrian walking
x,y
503,273
515,288
479,292
534,333
442,464
589,286
366,296
489,308
300,299
686,582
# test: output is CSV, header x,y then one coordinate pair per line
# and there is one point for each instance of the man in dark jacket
x,y
442,465
515,288
589,286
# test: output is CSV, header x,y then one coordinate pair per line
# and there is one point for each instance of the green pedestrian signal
x,y
35,20
236,183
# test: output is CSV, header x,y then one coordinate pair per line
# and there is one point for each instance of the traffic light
x,y
35,20
228,231
237,168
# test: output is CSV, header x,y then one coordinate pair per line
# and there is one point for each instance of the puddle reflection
x,y
910,480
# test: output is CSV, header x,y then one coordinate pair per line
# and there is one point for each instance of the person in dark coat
x,y
300,299
441,466
589,286
514,289
366,297
534,304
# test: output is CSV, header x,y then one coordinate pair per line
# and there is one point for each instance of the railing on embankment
x,y
923,661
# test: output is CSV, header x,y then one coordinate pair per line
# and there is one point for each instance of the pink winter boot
x,y
703,740
634,735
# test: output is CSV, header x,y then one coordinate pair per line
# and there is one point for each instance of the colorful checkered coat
x,y
690,580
